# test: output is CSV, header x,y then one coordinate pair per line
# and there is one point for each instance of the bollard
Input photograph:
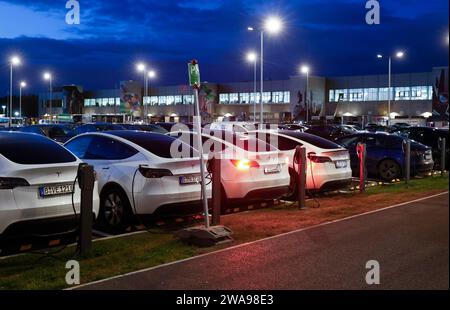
x,y
300,158
443,146
362,154
407,160
215,164
86,180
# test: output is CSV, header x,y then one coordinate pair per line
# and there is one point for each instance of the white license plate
x,y
272,170
56,190
340,164
190,179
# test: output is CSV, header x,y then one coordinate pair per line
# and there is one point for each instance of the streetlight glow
x,y
400,54
47,76
23,84
15,60
250,28
304,69
151,74
252,57
273,25
140,67
379,56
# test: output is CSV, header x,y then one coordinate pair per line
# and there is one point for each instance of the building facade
x,y
413,95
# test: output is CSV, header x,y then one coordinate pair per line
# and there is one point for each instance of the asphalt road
x,y
410,242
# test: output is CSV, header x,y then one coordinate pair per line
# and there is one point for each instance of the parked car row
x,y
138,175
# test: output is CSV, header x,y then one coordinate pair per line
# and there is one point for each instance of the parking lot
x,y
142,194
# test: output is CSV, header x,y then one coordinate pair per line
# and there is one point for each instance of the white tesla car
x,y
252,170
138,175
37,178
328,164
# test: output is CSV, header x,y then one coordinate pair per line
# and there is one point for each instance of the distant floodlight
x,y
151,74
251,57
47,76
140,67
273,25
400,54
23,84
250,28
379,56
304,69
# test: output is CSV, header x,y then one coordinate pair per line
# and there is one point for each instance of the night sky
x,y
331,36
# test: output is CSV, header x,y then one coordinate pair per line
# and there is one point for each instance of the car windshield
x,y
29,149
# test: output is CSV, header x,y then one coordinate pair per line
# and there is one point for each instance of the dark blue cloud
x,y
330,35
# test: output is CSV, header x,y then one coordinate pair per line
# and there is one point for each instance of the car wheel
x,y
114,211
389,170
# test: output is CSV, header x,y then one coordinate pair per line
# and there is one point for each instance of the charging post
x,y
443,151
362,153
300,159
407,160
208,235
86,181
216,189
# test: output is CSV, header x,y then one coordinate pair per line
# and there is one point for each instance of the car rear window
x,y
30,149
153,142
313,140
242,141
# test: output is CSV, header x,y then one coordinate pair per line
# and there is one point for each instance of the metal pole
x,y
254,93
262,79
216,190
407,145
307,97
390,91
10,96
86,181
362,152
51,100
20,101
443,151
200,149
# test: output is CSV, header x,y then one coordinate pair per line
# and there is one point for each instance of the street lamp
x,y
252,58
272,25
142,68
305,70
14,61
48,77
22,85
398,55
4,109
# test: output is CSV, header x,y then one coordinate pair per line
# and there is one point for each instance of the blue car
x,y
385,155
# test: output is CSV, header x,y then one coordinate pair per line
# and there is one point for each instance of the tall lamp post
x,y
272,25
305,70
141,67
14,61
151,74
48,77
22,85
398,55
252,58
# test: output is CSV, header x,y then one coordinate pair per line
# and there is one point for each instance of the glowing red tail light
x,y
244,164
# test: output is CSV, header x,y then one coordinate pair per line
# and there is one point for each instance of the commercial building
x,y
357,98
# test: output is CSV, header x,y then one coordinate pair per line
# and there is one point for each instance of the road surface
x,y
410,242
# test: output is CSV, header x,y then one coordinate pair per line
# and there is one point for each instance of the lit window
x,y
331,95
162,100
111,102
402,93
244,98
234,98
356,94
154,100
178,100
224,99
118,102
188,99
371,94
341,95
170,100
266,97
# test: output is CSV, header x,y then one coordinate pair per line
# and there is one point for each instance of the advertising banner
x,y
130,98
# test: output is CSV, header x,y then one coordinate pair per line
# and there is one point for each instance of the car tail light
x,y
151,173
11,183
319,159
244,164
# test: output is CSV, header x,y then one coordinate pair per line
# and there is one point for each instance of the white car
x,y
37,177
328,164
138,175
238,127
251,170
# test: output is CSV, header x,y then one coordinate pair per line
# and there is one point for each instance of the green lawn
x,y
121,255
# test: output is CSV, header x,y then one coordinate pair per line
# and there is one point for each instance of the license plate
x,y
56,190
341,164
190,179
272,170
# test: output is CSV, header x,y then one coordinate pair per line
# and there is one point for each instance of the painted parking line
x,y
262,240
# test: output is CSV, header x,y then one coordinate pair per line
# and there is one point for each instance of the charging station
x,y
300,160
86,181
361,151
